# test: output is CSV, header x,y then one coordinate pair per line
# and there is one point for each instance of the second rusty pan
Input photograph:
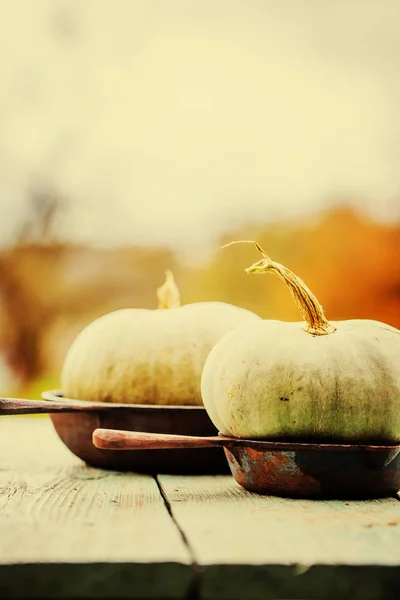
x,y
76,431
302,470
75,421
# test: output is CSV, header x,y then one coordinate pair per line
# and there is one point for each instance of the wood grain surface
x,y
55,511
251,546
71,531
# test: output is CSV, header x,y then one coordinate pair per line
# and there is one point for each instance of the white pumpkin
x,y
143,356
312,380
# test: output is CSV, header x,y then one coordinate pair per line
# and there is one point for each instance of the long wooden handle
x,y
115,439
19,406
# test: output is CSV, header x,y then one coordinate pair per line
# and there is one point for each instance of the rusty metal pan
x,y
299,470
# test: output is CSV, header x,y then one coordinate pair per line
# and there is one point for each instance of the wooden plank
x,y
251,546
68,530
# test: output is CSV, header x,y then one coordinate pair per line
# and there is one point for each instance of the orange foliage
x,y
349,262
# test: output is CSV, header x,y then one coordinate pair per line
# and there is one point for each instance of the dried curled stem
x,y
308,305
168,294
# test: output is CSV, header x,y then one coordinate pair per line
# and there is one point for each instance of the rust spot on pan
x,y
272,472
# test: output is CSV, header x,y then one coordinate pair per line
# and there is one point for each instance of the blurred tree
x,y
39,224
25,315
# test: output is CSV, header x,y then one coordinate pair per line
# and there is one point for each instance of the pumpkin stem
x,y
308,305
168,294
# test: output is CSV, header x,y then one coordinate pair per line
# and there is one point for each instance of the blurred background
x,y
140,135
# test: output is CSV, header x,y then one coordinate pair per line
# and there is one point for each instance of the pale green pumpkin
x,y
311,380
145,356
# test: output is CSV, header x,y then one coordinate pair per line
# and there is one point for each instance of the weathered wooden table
x,y
71,531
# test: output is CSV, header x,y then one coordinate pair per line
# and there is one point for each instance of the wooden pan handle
x,y
116,439
20,406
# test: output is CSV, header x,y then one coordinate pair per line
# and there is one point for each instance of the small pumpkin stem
x,y
308,305
168,294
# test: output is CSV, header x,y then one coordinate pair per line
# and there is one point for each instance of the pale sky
x,y
166,121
